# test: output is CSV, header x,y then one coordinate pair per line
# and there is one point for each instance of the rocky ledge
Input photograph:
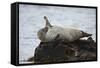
x,y
60,51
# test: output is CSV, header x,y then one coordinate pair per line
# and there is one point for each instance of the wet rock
x,y
60,51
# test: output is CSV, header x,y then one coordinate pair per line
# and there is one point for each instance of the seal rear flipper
x,y
84,34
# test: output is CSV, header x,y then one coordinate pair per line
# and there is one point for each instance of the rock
x,y
60,51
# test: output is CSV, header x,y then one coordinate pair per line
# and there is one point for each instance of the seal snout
x,y
45,17
47,22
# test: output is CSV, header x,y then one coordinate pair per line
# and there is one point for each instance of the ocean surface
x,y
31,20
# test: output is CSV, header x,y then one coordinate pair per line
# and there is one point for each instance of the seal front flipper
x,y
56,39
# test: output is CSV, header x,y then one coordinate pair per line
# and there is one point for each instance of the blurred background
x,y
31,20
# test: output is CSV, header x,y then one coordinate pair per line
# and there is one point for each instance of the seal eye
x,y
45,29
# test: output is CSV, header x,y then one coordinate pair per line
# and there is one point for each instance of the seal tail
x,y
47,22
84,34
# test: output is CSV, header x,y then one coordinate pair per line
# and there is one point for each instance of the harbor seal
x,y
49,33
